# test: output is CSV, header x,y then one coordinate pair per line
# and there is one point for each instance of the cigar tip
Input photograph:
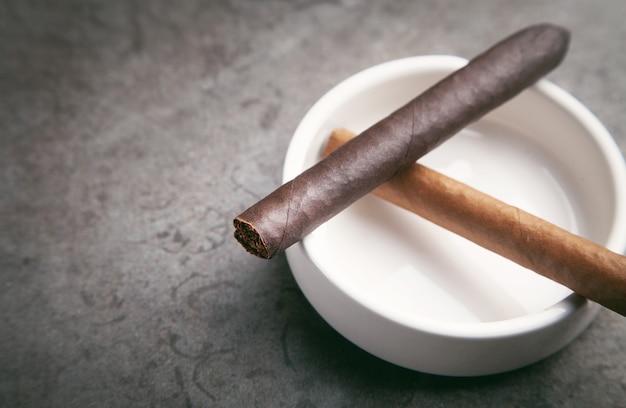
x,y
250,239
555,37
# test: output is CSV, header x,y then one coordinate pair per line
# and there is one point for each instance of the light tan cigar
x,y
583,266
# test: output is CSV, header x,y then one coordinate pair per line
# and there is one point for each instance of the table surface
x,y
131,133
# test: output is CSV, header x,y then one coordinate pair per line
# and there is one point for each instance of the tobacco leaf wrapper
x,y
299,206
583,266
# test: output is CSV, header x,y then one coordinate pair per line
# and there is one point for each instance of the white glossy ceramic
x,y
423,298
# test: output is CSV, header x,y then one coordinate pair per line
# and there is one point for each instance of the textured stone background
x,y
131,132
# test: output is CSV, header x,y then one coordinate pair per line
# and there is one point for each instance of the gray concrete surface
x,y
131,132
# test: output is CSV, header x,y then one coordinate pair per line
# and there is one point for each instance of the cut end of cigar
x,y
250,238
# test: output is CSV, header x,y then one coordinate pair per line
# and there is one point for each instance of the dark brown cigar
x,y
487,81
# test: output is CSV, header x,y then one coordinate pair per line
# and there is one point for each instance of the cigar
x,y
296,208
587,268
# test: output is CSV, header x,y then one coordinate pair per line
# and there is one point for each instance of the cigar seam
x,y
282,237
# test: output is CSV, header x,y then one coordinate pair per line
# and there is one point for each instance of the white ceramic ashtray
x,y
423,298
